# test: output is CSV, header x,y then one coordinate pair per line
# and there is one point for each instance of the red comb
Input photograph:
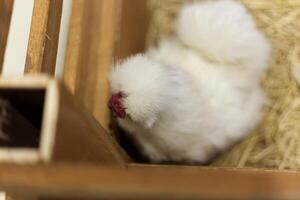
x,y
116,106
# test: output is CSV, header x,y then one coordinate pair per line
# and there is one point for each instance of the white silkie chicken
x,y
197,93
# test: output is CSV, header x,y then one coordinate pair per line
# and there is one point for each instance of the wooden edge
x,y
90,52
43,38
133,28
96,181
19,155
50,117
6,8
27,81
73,45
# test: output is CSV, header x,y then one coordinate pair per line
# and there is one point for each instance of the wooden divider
x,y
90,53
6,7
43,38
67,181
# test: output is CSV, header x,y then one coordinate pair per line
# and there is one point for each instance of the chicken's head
x,y
138,87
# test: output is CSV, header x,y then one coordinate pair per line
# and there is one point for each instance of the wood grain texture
x,y
43,38
90,53
74,44
6,7
133,27
164,182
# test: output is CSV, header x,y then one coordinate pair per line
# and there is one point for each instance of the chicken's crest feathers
x,y
142,82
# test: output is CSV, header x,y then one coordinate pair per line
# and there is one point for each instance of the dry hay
x,y
276,142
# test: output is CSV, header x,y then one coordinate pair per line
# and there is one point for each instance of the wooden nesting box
x,y
102,31
45,124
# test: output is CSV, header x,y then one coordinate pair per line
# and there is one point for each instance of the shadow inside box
x,y
21,113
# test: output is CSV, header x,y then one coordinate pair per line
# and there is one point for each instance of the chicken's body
x,y
186,104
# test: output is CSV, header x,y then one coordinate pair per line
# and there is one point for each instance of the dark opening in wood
x,y
21,112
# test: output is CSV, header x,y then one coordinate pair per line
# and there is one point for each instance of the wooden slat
x,y
90,53
6,7
74,44
108,40
133,28
43,39
87,181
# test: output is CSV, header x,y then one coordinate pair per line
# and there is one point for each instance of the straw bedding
x,y
276,142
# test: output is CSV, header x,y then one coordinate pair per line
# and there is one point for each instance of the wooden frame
x,y
90,52
6,8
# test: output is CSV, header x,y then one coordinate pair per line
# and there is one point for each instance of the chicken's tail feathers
x,y
223,31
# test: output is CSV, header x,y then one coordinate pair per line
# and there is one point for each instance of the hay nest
x,y
276,142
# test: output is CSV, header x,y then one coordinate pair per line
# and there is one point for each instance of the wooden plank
x,y
133,28
43,39
90,53
24,108
6,7
165,182
74,44
100,32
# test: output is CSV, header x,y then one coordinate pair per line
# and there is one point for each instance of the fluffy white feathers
x,y
196,94
224,32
